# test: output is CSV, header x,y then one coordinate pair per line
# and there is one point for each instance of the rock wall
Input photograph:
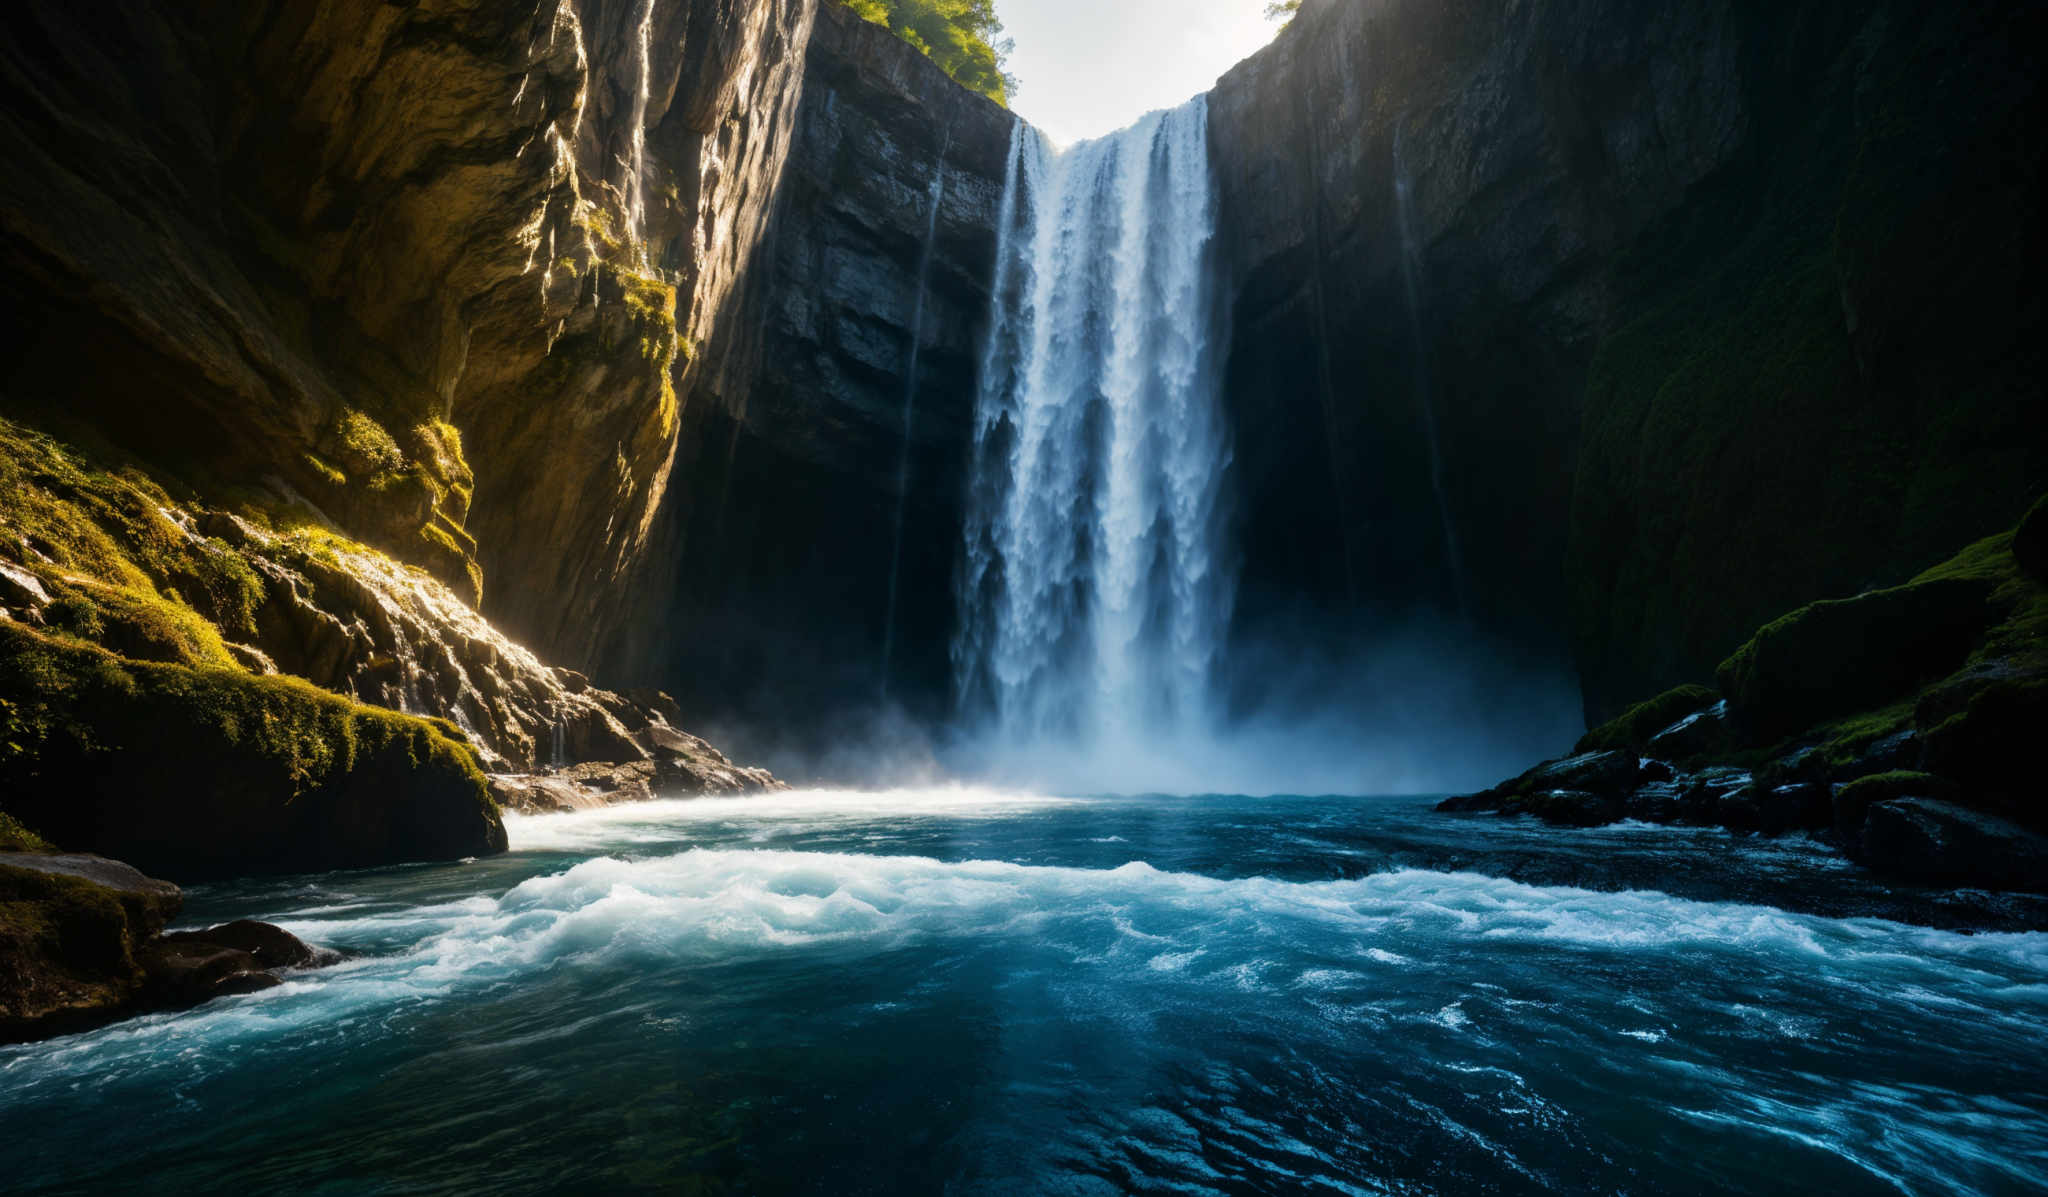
x,y
392,261
865,303
1637,322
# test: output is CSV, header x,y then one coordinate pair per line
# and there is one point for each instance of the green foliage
x,y
16,838
960,35
1283,10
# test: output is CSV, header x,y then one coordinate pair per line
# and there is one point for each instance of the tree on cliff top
x,y
959,35
1282,10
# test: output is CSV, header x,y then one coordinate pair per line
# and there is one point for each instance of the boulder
x,y
1705,731
1606,773
72,931
1701,802
1657,802
1854,800
1994,745
1570,808
267,945
1740,809
199,774
1799,806
1839,657
1633,729
1940,843
184,973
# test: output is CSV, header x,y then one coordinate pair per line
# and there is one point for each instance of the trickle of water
x,y
1411,278
1095,586
636,202
934,198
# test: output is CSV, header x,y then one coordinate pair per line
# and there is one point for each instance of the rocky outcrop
x,y
80,946
827,422
1645,322
208,773
1903,725
105,555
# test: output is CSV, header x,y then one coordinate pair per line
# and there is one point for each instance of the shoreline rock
x,y
82,945
1900,726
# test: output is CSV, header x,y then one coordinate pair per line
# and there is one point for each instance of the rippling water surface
x,y
976,992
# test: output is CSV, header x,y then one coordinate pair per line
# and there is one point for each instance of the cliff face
x,y
857,321
1642,322
300,248
353,317
649,327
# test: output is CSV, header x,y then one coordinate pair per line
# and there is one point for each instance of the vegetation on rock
x,y
213,772
962,36
1920,703
1633,728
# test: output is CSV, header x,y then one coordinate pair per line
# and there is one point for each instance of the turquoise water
x,y
973,992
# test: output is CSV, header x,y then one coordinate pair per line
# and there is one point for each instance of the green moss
x,y
324,469
151,762
1844,742
120,569
138,624
16,838
1836,657
364,446
1633,729
1854,800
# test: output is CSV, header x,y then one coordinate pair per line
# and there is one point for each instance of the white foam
x,y
664,821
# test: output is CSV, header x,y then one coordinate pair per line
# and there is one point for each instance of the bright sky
x,y
1089,67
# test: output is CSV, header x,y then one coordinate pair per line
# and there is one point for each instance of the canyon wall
x,y
1636,324
859,320
650,327
429,273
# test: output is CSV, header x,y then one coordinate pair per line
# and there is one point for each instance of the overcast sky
x,y
1089,67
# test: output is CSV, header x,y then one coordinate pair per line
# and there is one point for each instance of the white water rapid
x,y
1095,585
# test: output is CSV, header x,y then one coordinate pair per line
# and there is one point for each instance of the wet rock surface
x,y
81,945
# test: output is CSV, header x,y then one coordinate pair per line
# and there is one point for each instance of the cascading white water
x,y
1095,586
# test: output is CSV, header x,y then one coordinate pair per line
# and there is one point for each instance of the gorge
x,y
461,463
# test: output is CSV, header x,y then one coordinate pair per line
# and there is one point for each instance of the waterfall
x,y
636,186
1095,588
1411,278
934,198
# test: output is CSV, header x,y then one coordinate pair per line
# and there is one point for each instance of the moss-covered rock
x,y
1853,801
70,945
2030,542
16,838
1832,658
197,773
1633,728
1941,843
